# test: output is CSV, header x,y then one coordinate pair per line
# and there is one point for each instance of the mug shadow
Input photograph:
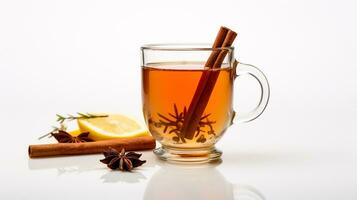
x,y
196,182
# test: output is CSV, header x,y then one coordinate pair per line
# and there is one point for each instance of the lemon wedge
x,y
113,126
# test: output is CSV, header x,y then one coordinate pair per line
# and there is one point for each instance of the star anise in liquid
x,y
173,122
122,161
64,137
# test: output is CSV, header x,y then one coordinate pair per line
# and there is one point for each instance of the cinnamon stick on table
x,y
59,149
224,38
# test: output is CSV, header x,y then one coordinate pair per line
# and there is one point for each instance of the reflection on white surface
x,y
78,164
66,164
154,181
129,177
185,182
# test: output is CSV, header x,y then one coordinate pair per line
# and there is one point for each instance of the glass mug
x,y
171,74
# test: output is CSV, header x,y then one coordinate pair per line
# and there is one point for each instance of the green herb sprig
x,y
61,119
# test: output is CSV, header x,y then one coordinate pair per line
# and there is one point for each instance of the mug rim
x,y
183,47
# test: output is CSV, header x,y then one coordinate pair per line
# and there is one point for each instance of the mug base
x,y
203,155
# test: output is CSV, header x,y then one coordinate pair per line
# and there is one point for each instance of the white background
x,y
68,56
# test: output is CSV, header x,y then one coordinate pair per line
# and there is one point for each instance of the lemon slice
x,y
113,126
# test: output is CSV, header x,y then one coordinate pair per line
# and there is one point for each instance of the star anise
x,y
64,137
122,161
173,122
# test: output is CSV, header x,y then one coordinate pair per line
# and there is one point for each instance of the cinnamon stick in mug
x,y
59,149
224,39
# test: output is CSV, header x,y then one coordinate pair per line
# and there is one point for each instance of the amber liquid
x,y
167,94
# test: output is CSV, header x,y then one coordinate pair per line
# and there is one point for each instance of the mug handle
x,y
240,69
